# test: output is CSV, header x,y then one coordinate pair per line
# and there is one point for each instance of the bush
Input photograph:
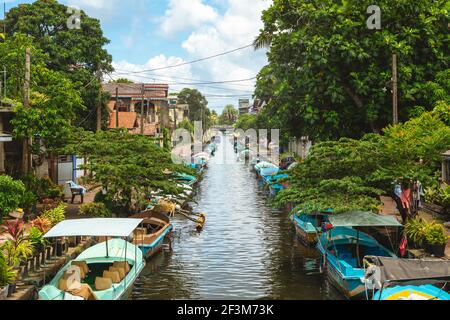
x,y
7,274
11,194
436,234
421,232
56,215
42,188
95,209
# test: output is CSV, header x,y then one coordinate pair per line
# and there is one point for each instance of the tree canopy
x,y
54,100
329,76
127,166
198,106
76,53
350,174
229,115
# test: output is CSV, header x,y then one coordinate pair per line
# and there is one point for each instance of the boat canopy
x,y
411,271
102,227
363,219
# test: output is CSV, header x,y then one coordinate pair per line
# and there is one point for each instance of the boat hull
x,y
308,238
306,232
425,292
152,249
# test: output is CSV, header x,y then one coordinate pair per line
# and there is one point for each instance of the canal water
x,y
246,251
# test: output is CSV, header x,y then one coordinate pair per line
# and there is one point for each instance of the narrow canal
x,y
247,250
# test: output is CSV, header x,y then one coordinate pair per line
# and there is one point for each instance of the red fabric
x,y
403,247
406,198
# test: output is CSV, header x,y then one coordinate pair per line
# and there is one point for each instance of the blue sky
x,y
149,34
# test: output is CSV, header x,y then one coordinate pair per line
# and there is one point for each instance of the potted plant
x,y
416,231
7,277
436,239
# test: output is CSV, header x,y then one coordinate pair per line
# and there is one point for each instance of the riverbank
x,y
28,286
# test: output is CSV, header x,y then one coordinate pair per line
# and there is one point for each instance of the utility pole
x,y
100,101
26,158
395,88
142,109
117,107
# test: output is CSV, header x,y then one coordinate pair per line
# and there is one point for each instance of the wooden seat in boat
x,y
122,264
121,272
113,275
102,284
83,266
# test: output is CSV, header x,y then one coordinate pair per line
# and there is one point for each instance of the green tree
x,y
11,193
329,75
350,174
229,115
127,166
54,100
121,80
198,106
77,53
247,121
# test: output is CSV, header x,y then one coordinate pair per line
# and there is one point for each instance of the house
x,y
244,106
177,112
127,112
10,149
446,167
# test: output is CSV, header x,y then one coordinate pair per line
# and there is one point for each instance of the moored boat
x,y
156,227
308,226
106,271
404,279
344,247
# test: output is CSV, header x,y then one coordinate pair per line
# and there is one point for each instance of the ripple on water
x,y
247,250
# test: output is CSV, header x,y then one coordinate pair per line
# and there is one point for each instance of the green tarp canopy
x,y
363,219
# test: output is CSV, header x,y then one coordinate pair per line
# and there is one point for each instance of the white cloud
x,y
132,72
182,15
212,33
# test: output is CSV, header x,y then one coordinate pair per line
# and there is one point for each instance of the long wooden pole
x,y
117,107
395,89
142,109
26,159
100,101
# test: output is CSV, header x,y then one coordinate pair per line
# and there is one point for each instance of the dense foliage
x,y
76,53
350,174
11,195
229,115
127,167
198,107
329,76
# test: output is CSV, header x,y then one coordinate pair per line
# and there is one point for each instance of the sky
x,y
151,34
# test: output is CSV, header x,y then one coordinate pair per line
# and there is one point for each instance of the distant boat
x,y
185,178
275,184
150,238
106,271
343,249
309,225
404,279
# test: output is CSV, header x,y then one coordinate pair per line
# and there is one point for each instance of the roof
x,y
363,219
134,90
127,120
149,129
446,154
102,227
408,271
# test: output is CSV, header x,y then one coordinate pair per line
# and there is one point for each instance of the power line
x,y
195,61
159,78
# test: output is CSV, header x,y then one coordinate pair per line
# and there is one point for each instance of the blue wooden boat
x,y
155,228
185,178
106,271
308,226
274,183
404,279
343,249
